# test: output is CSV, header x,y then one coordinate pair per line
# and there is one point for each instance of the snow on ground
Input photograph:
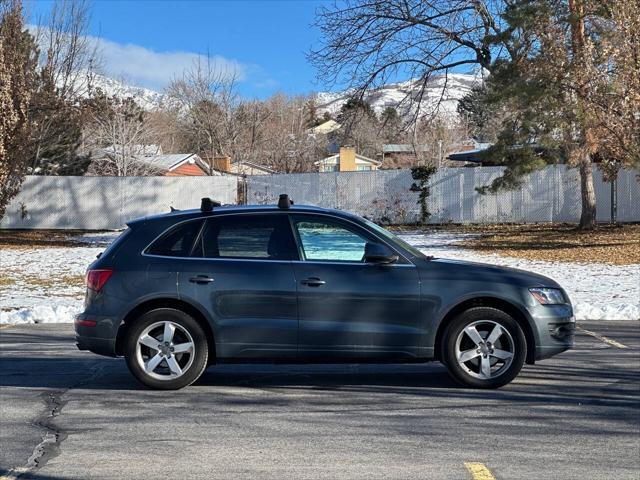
x,y
44,285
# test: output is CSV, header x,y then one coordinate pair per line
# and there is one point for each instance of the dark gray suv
x,y
178,292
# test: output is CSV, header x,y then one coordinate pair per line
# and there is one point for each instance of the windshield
x,y
394,240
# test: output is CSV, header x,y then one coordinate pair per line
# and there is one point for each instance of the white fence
x,y
548,195
96,203
104,203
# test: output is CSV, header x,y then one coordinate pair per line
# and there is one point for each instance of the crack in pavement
x,y
53,435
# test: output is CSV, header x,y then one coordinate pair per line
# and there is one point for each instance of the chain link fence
x,y
107,203
548,195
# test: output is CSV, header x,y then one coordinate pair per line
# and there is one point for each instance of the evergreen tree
x,y
18,60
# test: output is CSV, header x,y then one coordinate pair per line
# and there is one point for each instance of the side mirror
x,y
378,253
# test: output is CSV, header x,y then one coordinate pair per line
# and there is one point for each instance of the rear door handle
x,y
201,279
313,282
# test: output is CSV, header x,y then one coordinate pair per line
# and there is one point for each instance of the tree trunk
x,y
588,216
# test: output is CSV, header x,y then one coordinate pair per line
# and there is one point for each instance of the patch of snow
x,y
598,291
42,314
46,283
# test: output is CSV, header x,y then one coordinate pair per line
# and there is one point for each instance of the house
x,y
224,164
403,155
470,155
347,160
324,128
178,165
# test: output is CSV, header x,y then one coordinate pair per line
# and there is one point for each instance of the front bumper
x,y
555,329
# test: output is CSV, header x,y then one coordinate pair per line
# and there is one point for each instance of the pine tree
x,y
553,96
17,74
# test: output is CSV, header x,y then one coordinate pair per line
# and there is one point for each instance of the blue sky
x,y
146,42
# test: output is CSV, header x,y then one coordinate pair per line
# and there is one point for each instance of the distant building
x,y
178,165
224,164
347,160
470,155
402,154
325,128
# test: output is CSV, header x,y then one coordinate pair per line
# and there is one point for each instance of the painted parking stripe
x,y
479,471
602,338
5,325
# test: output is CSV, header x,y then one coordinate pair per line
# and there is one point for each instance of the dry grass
x,y
56,283
39,238
6,281
616,244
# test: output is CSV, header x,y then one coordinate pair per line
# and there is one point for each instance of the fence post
x,y
614,200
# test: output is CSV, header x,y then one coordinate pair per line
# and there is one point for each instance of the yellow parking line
x,y
5,325
602,338
479,471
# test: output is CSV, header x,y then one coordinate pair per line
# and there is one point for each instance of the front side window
x,y
178,241
261,237
327,240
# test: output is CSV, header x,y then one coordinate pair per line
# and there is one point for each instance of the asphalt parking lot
x,y
70,414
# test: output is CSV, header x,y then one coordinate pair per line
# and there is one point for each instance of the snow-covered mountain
x,y
146,98
84,84
441,95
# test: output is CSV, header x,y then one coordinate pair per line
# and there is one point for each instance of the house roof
x,y
171,161
238,164
336,159
326,127
404,148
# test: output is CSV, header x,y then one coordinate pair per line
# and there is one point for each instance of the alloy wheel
x,y
484,349
165,350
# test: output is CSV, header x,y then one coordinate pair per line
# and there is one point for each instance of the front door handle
x,y
201,279
313,282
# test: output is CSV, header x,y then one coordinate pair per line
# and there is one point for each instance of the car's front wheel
x,y
166,349
484,348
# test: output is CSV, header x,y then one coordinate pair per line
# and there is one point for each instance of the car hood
x,y
486,272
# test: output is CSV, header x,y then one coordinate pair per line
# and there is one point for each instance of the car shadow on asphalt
x,y
551,383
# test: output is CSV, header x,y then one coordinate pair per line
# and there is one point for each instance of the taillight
x,y
97,278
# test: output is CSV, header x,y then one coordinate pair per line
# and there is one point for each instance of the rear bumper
x,y
101,346
98,338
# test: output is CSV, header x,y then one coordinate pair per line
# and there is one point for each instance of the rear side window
x,y
178,241
261,237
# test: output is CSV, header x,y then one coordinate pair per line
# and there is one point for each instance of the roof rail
x,y
206,204
284,201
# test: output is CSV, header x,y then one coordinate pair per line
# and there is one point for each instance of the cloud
x,y
152,69
148,68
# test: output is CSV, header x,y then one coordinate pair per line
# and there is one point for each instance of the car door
x,y
240,271
349,308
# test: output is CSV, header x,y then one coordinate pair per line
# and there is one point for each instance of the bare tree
x,y
368,43
117,132
287,146
17,73
70,55
205,100
67,63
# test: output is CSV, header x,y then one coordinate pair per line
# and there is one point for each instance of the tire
x,y
166,365
490,359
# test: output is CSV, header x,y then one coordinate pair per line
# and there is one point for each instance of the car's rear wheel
x,y
484,348
166,349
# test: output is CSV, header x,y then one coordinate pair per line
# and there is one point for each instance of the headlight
x,y
548,296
